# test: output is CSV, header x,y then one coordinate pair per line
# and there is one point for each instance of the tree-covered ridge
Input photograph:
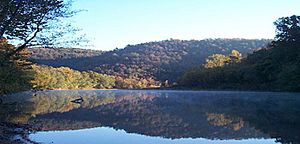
x,y
163,60
276,67
18,74
61,53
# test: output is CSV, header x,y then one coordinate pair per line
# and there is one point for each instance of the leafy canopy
x,y
288,29
35,22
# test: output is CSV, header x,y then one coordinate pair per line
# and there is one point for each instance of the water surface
x,y
157,116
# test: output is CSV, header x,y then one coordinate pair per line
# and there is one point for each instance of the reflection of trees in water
x,y
20,107
275,114
278,116
61,102
155,114
223,120
221,115
47,124
170,118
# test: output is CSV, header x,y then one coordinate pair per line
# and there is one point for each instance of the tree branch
x,y
23,46
38,29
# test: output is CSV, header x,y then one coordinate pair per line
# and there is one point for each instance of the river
x,y
155,116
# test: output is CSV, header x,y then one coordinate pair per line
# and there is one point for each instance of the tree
x,y
15,73
34,22
216,60
219,60
288,29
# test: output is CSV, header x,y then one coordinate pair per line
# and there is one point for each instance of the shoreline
x,y
177,89
158,89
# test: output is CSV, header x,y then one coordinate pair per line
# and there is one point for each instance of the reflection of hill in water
x,y
171,114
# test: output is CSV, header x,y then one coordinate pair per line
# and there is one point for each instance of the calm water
x,y
152,116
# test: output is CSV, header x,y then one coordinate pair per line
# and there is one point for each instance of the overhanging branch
x,y
23,46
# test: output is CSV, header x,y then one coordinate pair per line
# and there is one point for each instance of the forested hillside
x,y
163,60
276,67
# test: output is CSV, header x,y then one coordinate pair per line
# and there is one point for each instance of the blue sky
x,y
115,23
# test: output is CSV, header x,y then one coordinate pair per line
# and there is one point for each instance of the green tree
x,y
288,29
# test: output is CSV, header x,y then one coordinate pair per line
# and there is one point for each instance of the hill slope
x,y
163,60
274,68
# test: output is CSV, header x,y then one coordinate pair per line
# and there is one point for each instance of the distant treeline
x,y
61,53
276,67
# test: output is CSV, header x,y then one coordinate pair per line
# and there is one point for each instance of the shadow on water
x,y
165,114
